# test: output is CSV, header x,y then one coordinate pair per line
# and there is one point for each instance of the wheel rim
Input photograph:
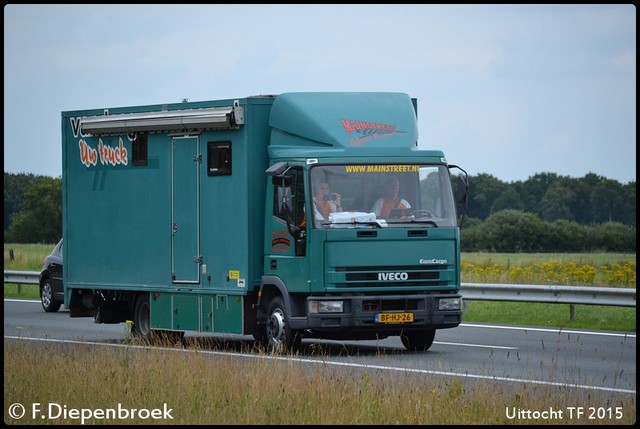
x,y
276,327
47,294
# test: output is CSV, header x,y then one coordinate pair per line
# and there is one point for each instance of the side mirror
x,y
285,203
463,190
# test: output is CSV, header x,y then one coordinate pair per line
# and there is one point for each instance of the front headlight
x,y
326,307
449,304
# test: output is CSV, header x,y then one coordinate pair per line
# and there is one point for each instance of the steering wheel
x,y
422,213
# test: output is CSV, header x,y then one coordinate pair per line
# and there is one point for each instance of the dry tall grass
x,y
203,388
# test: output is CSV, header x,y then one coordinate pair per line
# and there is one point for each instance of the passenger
x,y
382,208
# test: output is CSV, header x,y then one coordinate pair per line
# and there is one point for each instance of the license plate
x,y
394,317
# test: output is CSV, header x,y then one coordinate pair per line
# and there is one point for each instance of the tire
x,y
279,335
142,325
418,341
142,318
46,297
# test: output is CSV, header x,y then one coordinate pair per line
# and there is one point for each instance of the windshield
x,y
382,195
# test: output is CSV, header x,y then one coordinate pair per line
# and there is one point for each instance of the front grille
x,y
392,276
375,276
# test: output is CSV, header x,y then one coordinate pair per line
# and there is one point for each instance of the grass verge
x,y
198,388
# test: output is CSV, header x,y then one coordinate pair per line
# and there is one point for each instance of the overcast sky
x,y
510,91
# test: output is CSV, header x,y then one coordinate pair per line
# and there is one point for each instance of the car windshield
x,y
382,195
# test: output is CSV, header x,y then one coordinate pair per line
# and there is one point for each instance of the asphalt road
x,y
593,361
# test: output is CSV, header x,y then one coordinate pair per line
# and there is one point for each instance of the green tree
x,y
556,202
581,201
629,203
533,189
607,201
40,217
611,237
14,186
514,231
564,236
508,199
484,189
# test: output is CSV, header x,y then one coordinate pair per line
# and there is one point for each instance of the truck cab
x,y
362,234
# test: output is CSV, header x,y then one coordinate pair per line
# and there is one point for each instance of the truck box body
x,y
201,216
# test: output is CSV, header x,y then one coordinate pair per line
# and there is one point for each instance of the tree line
x,y
545,213
587,200
550,213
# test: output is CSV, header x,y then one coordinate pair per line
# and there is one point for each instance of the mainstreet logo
x,y
368,130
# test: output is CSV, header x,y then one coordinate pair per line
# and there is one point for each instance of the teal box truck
x,y
291,216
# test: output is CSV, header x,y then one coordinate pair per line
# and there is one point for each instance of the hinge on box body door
x,y
198,259
198,158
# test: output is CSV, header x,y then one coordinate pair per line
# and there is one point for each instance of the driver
x,y
391,200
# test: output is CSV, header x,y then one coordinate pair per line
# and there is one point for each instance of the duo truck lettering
x,y
261,216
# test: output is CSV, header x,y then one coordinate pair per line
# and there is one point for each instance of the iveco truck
x,y
284,217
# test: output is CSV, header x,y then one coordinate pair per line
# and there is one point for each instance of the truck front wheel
x,y
418,341
279,335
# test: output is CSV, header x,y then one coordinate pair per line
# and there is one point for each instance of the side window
x,y
139,149
289,201
219,158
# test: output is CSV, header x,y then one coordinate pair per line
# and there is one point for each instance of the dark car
x,y
51,290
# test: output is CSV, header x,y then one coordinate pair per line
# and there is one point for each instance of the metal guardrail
x,y
22,277
589,295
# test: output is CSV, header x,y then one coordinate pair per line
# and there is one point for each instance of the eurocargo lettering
x,y
299,215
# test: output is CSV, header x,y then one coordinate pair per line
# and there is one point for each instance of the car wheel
x,y
46,297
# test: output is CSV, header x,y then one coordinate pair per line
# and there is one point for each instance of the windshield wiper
x,y
428,222
380,223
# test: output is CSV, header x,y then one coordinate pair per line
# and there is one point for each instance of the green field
x,y
523,259
26,257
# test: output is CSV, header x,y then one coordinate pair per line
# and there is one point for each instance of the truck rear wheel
x,y
279,335
142,318
142,325
418,341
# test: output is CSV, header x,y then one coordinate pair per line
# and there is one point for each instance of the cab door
x,y
286,255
